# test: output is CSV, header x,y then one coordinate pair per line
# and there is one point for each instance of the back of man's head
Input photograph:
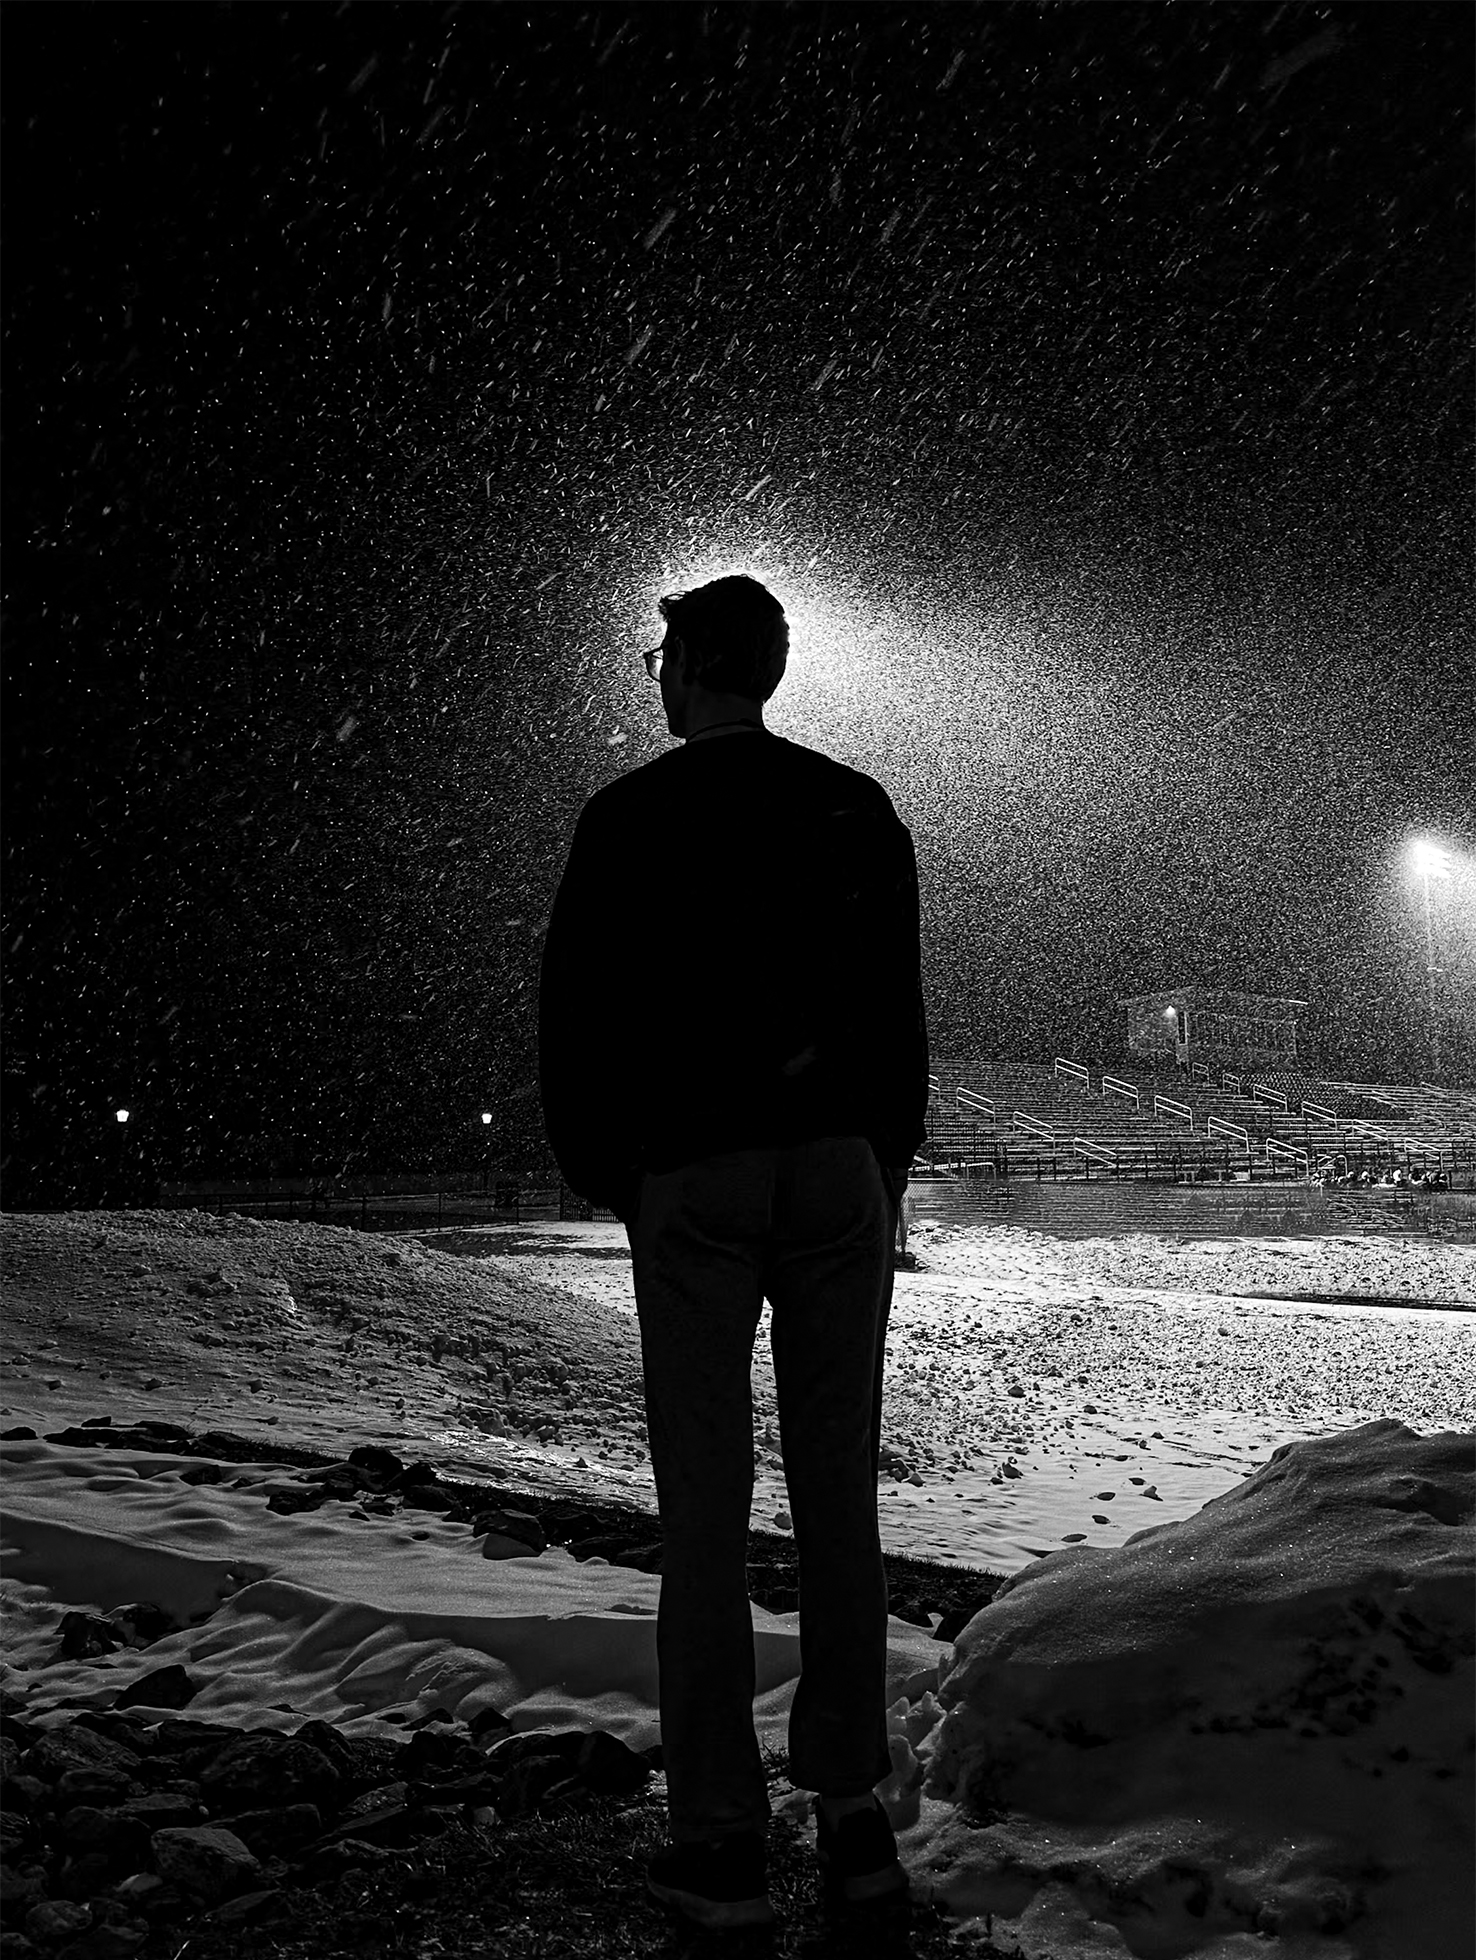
x,y
735,635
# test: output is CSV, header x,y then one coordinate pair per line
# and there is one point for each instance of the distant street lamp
x,y
1430,860
121,1115
1181,1046
487,1128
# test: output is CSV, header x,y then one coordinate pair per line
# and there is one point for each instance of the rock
x,y
114,1939
205,1861
378,1462
278,1829
177,1734
263,1767
137,1888
609,1767
497,1545
87,1636
161,1808
164,1687
335,1747
384,1797
142,1622
24,1793
20,1884
488,1721
347,1854
92,1785
432,1752
288,1500
339,1479
1259,1715
120,1834
425,1497
415,1476
84,1875
511,1523
225,1443
250,1908
54,1919
76,1747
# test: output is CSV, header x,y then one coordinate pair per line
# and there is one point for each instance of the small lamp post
x,y
487,1142
1171,1015
1430,861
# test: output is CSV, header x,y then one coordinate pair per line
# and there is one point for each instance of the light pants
x,y
810,1227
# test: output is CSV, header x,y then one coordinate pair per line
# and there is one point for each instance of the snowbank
x,y
354,1620
1249,1731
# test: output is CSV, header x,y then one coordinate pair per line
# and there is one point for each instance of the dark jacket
x,y
732,961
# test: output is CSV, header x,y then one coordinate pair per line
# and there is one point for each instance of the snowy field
x,y
1044,1392
1041,1395
1039,1392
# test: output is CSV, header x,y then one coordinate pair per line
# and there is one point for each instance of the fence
x,y
385,1204
1106,1207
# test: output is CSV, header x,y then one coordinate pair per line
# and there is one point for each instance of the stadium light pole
x,y
1430,861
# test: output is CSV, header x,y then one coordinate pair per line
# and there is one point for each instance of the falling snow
x,y
1092,384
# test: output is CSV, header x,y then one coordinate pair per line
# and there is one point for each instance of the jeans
x,y
810,1227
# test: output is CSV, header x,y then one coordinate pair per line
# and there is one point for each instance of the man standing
x,y
733,1057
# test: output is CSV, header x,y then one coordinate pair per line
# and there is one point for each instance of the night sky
x,y
1090,381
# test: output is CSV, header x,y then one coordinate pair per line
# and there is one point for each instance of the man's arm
x,y
902,1036
582,1020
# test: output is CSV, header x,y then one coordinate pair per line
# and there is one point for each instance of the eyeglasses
x,y
653,662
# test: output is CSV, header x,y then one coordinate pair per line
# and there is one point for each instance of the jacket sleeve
x,y
857,921
582,1014
899,1036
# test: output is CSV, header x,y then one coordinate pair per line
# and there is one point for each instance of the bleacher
x,y
1068,1119
1037,1119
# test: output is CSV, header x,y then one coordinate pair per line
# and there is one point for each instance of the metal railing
x,y
1181,1112
1113,1085
1074,1070
966,1099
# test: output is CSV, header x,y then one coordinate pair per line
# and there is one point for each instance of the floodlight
x,y
1429,859
121,1114
486,1116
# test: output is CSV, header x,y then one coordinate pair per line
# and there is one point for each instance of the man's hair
x,y
735,634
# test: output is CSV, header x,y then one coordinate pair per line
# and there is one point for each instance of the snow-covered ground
x,y
1040,1394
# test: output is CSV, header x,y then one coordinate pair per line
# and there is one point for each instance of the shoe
x,y
858,1858
718,1885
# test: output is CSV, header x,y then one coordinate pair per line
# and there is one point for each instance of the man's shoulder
x,y
775,756
786,775
831,779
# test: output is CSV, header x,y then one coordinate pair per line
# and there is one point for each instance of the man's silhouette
x,y
733,1057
